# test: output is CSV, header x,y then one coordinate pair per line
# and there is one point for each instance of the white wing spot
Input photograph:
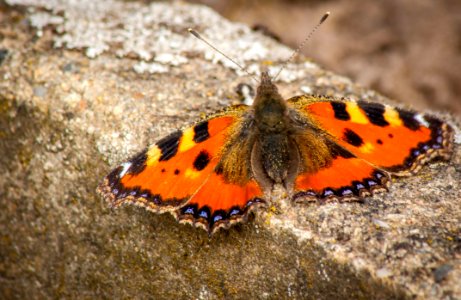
x,y
126,166
421,120
247,94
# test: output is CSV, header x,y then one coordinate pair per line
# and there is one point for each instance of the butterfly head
x,y
269,107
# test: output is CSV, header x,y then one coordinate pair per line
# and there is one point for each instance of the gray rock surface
x,y
85,84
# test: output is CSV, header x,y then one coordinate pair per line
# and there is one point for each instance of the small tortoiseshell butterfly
x,y
319,148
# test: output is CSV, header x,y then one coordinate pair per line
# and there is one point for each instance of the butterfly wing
x,y
371,140
344,178
219,204
396,140
179,174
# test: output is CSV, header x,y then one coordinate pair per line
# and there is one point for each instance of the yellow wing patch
x,y
367,148
191,173
392,116
153,155
187,140
356,114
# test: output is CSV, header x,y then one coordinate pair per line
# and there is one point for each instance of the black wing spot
x,y
390,135
379,141
169,145
176,172
352,138
408,119
340,111
201,132
374,112
202,160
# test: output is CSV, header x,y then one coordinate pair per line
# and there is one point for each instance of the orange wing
x,y
396,140
345,178
177,174
220,204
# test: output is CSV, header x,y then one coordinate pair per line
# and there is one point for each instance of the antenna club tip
x,y
193,32
325,16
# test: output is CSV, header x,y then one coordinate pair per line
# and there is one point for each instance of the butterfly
x,y
213,173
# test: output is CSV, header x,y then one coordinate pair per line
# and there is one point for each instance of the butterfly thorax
x,y
270,110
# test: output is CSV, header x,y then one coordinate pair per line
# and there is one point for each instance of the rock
x,y
442,272
72,104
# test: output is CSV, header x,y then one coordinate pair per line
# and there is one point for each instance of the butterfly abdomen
x,y
275,156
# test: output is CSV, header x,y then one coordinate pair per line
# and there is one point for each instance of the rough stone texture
x,y
67,109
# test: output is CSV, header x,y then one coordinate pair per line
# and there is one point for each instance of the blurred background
x,y
405,49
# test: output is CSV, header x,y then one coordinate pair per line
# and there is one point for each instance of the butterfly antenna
x,y
325,16
198,36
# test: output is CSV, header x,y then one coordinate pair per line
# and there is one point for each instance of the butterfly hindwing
x,y
220,204
178,174
393,139
344,178
327,171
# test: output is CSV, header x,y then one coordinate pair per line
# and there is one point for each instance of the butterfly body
x,y
274,156
320,149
